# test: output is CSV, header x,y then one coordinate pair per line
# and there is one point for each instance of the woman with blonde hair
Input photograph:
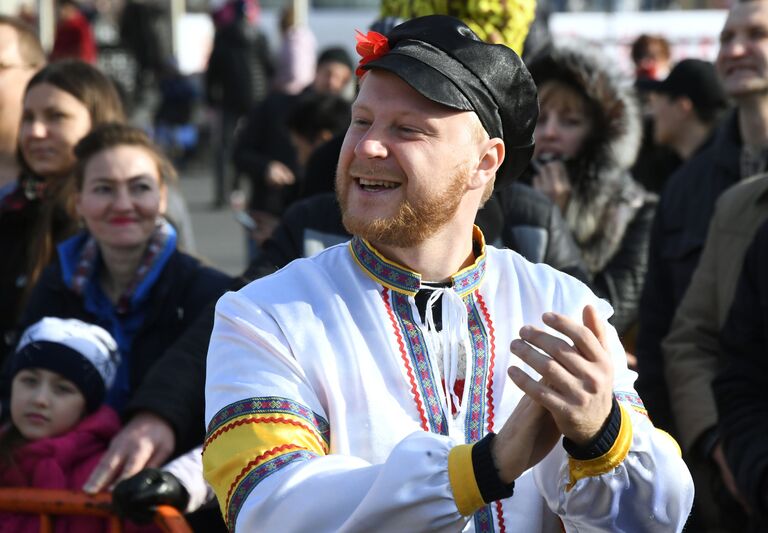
x,y
587,138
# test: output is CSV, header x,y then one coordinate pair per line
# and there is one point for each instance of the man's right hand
x,y
279,175
528,435
147,441
718,456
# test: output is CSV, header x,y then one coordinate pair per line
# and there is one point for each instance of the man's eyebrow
x,y
110,179
415,113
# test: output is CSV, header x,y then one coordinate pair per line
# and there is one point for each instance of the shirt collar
x,y
401,279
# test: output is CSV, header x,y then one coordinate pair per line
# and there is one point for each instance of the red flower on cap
x,y
370,46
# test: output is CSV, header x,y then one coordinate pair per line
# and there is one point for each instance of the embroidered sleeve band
x,y
251,439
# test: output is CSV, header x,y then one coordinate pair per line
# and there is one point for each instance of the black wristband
x,y
603,441
486,474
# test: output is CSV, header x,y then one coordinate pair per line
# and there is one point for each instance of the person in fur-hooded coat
x,y
587,138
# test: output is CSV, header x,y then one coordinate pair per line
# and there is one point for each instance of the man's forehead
x,y
400,96
747,13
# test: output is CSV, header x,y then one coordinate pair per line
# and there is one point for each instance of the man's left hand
x,y
577,379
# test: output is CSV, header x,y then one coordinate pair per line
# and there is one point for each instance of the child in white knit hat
x,y
59,426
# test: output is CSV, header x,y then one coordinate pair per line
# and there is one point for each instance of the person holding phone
x,y
587,137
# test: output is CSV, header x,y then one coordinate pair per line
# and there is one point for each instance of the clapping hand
x,y
573,398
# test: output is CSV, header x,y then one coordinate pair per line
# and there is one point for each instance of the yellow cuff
x,y
461,474
607,462
671,438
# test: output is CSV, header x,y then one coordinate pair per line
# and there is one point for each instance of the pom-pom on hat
x,y
442,59
83,353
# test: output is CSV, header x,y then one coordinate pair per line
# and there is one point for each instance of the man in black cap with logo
x,y
415,379
686,106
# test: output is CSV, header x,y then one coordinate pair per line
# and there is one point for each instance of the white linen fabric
x,y
337,338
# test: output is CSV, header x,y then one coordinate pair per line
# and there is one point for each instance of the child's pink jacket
x,y
63,462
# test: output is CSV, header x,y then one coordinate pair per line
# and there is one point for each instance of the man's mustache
x,y
374,171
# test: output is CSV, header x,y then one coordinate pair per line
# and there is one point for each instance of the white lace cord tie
x,y
454,335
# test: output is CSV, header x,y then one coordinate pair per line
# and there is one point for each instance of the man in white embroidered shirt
x,y
360,389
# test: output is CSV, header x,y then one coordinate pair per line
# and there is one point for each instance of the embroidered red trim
x,y
404,356
489,393
270,420
254,462
370,46
492,363
500,517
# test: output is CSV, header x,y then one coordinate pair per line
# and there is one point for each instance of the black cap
x,y
693,78
441,58
335,54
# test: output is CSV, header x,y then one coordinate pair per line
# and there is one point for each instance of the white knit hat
x,y
83,353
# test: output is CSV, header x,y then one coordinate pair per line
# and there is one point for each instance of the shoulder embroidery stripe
x,y
274,405
267,420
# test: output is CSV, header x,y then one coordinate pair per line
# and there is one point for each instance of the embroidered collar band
x,y
403,280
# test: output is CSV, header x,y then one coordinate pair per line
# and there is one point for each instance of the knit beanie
x,y
83,353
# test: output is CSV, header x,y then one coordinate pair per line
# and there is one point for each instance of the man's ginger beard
x,y
414,222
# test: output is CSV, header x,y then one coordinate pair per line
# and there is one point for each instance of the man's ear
x,y
491,157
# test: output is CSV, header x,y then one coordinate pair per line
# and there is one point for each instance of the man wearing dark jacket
x,y
740,387
692,351
738,149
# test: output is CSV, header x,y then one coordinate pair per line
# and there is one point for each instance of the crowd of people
x,y
419,222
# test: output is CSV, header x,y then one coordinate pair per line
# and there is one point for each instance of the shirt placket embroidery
x,y
399,287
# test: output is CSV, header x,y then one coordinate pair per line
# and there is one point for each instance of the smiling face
x,y
121,197
52,123
407,163
742,61
44,404
563,124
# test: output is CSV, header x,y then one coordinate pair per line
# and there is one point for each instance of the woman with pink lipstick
x,y
59,425
62,103
587,137
124,271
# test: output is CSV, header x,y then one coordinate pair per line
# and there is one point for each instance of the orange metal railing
x,y
48,503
